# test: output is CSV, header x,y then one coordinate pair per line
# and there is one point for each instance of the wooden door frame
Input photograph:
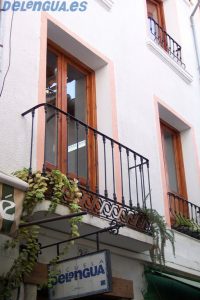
x,y
180,172
160,11
91,116
179,163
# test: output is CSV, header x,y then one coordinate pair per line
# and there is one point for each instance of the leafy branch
x,y
161,234
57,188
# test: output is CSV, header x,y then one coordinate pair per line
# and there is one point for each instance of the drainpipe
x,y
194,34
1,10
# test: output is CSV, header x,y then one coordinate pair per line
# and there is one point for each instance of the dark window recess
x,y
185,215
173,158
156,12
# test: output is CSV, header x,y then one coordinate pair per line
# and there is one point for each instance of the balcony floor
x,y
128,238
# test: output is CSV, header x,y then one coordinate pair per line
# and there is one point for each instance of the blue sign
x,y
82,276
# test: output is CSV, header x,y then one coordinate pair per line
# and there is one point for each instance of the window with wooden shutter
x,y
155,11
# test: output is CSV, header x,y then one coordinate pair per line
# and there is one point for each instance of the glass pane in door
x,y
51,117
171,162
76,106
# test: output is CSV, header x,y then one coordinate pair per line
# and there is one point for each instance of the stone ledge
x,y
13,181
165,57
130,239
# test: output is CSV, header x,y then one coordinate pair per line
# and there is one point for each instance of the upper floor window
x,y
155,11
173,159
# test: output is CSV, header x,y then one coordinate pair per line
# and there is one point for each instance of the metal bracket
x,y
113,229
116,226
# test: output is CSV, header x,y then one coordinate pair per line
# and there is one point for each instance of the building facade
x,y
108,92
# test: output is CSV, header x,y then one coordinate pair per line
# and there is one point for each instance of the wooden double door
x,y
70,86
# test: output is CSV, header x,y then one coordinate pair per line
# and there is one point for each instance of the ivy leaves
x,y
58,184
36,191
53,186
57,188
23,265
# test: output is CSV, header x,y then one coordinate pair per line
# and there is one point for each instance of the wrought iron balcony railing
x,y
113,178
185,216
162,38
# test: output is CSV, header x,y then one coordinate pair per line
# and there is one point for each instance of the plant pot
x,y
138,220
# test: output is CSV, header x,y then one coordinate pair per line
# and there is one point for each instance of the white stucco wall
x,y
140,75
20,89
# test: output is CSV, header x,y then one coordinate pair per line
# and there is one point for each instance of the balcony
x,y
114,179
164,40
185,216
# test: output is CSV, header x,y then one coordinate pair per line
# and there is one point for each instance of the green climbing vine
x,y
24,263
57,188
161,234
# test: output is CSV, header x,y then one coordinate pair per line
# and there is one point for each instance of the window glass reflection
x,y
51,120
76,106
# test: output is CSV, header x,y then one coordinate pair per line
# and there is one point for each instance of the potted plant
x,y
187,226
55,187
161,234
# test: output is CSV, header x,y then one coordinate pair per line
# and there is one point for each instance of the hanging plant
x,y
187,226
161,234
57,188
53,186
24,263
